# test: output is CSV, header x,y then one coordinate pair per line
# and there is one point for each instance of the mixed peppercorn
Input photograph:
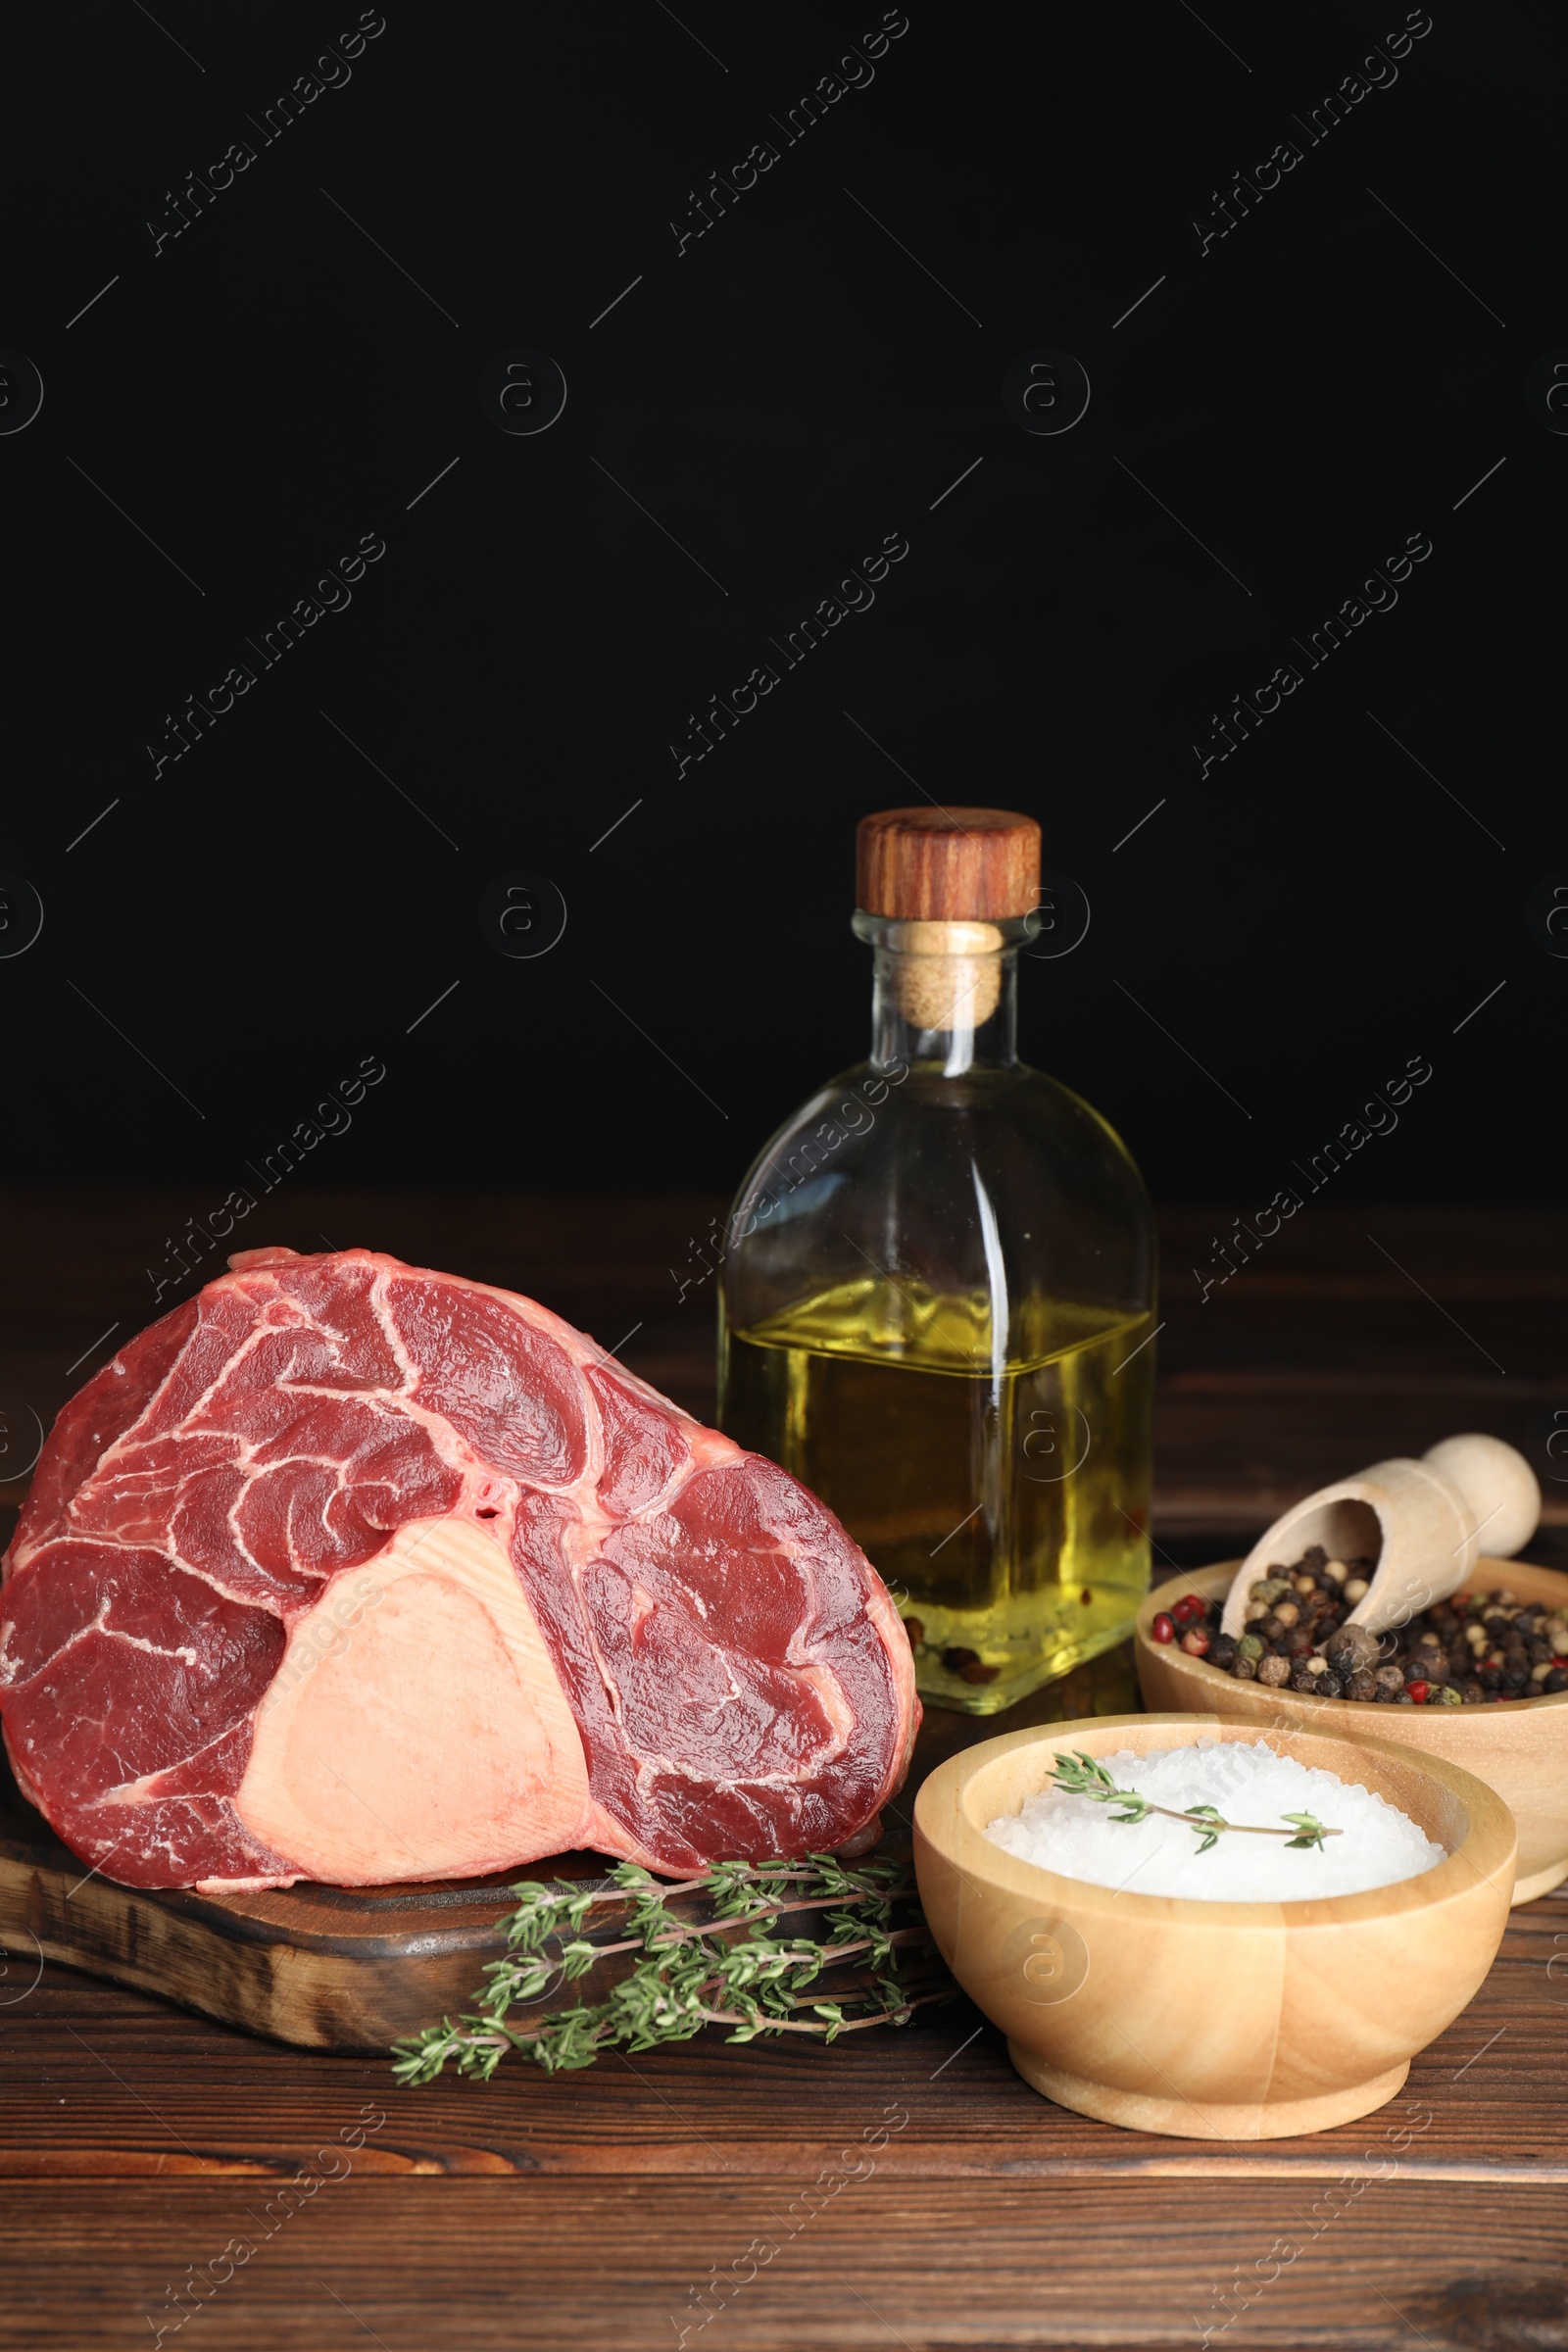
x,y
1474,1648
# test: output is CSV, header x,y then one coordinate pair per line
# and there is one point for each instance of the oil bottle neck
x,y
944,992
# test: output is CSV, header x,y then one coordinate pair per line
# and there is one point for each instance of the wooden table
x,y
617,2207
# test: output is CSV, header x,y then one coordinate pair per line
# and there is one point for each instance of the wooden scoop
x,y
1420,1522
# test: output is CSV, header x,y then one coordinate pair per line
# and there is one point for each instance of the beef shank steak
x,y
346,1570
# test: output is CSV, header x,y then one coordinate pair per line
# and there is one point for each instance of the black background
x,y
780,395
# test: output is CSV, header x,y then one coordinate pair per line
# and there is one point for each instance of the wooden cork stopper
x,y
947,864
949,876
948,975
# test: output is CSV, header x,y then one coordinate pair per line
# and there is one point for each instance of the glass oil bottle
x,y
938,1297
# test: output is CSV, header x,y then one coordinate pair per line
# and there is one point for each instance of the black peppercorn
x,y
1350,1648
1309,1622
968,1665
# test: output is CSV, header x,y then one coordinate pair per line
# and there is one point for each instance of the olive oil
x,y
938,1281
1003,1492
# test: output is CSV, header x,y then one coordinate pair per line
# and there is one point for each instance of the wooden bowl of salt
x,y
1212,2020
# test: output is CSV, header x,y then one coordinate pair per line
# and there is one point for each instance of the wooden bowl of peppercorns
x,y
1454,1683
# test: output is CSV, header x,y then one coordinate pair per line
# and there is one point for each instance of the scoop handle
x,y
1423,1523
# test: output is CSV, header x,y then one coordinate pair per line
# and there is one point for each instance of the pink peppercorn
x,y
1163,1629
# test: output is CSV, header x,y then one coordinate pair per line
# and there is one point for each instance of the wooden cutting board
x,y
330,1968
356,1968
335,1968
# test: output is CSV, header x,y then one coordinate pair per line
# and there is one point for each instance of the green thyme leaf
x,y
745,1967
1080,1774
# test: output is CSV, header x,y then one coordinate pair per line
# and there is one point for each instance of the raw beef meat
x,y
345,1570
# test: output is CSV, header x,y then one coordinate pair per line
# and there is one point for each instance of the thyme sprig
x,y
691,1973
1082,1774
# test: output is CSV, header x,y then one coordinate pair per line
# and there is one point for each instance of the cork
x,y
948,975
950,876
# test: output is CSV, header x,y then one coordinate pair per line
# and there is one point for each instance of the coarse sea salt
x,y
1077,1838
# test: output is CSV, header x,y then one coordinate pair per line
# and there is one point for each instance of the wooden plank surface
x,y
481,2266
96,2083
589,2211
